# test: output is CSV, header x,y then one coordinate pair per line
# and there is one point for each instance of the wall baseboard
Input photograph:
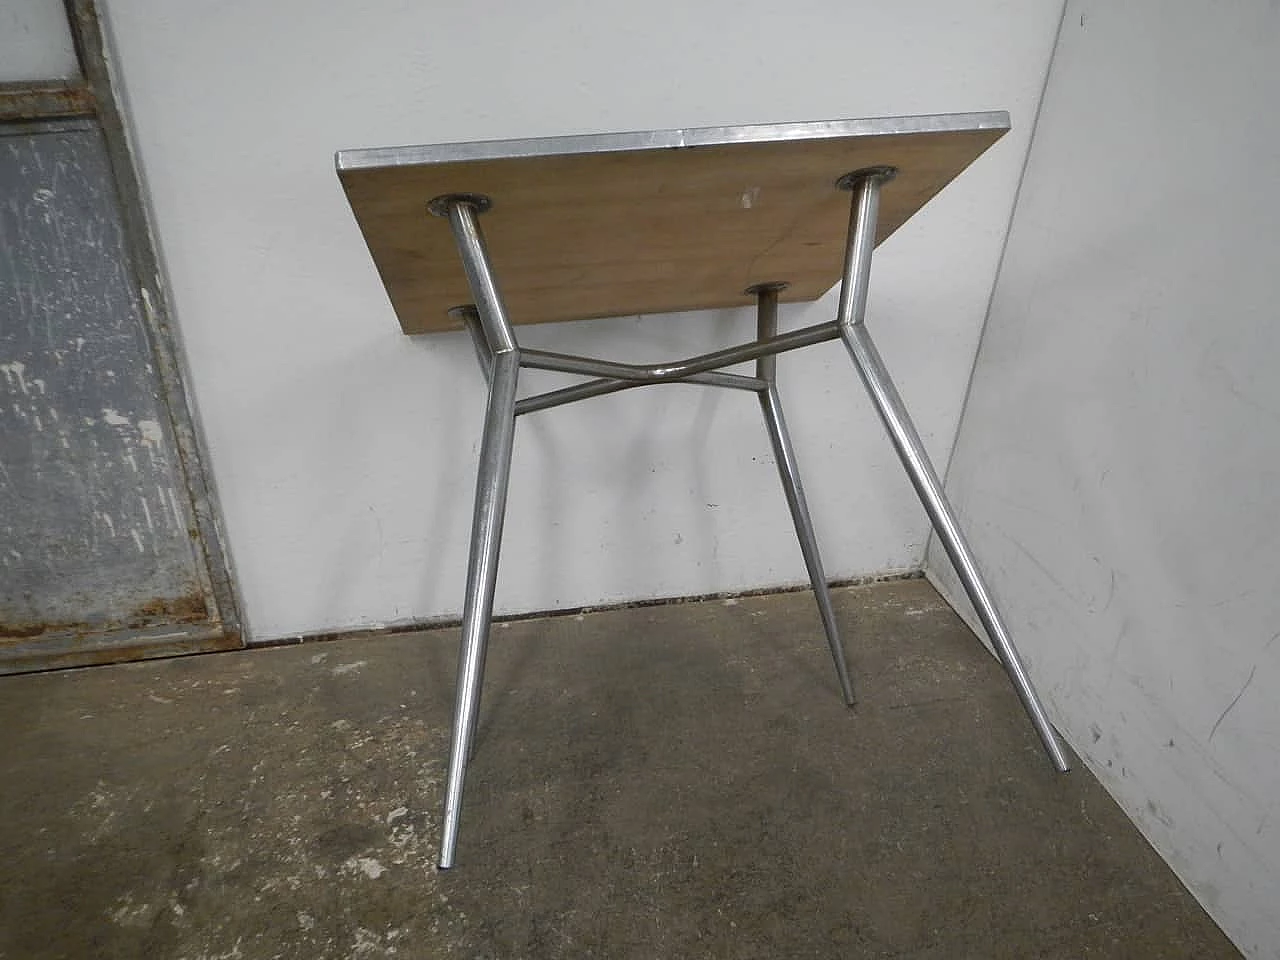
x,y
415,626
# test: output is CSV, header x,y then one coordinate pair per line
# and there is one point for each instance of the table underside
x,y
621,224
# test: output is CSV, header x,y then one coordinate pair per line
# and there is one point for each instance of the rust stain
x,y
48,645
187,608
38,101
22,631
101,656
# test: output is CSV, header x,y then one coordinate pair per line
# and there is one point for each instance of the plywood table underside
x,y
626,224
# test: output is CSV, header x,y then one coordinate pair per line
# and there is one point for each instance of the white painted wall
x,y
344,453
35,41
1119,459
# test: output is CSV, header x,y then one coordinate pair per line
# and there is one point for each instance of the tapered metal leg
x,y
929,488
789,471
490,505
853,297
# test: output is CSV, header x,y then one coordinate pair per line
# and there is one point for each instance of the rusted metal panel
x,y
93,649
215,569
37,101
96,526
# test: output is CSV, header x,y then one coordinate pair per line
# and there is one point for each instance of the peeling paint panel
x,y
94,526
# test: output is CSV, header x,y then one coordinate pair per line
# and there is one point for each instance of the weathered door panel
x,y
99,548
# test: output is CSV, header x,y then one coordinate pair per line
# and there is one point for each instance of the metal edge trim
x,y
391,157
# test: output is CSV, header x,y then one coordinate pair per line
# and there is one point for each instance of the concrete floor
x,y
668,781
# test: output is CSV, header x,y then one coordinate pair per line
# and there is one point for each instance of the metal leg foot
x,y
853,297
789,471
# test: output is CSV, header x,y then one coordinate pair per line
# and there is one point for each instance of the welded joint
x,y
880,174
439,206
669,372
